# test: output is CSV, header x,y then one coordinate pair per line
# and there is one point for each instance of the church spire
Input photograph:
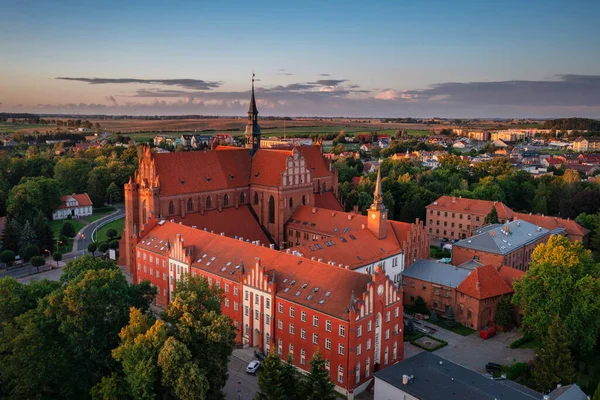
x,y
378,195
252,134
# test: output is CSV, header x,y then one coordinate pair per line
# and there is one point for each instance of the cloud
x,y
323,74
283,71
328,82
564,90
197,84
112,100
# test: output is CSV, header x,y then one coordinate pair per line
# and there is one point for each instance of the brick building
x,y
277,299
573,231
455,217
509,244
472,293
358,242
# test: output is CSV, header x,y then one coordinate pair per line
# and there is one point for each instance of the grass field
x,y
56,225
97,216
417,132
118,225
457,328
9,127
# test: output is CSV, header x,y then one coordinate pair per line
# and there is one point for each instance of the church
x,y
267,227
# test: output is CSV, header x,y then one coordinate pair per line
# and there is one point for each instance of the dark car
x,y
491,368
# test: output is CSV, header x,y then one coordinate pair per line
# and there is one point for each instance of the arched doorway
x,y
171,208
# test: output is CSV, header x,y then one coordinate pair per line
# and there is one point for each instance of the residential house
x,y
75,205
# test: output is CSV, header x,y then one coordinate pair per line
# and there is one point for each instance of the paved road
x,y
240,385
80,244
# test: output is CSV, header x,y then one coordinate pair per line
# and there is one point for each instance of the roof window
x,y
327,294
321,301
346,230
310,296
304,285
352,237
312,225
315,290
292,282
343,240
298,293
318,246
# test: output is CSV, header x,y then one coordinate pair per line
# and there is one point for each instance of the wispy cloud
x,y
197,84
112,101
283,71
323,74
328,82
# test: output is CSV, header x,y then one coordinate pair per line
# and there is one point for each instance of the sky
x,y
426,58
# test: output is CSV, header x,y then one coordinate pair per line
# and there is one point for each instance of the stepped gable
x,y
551,223
268,165
315,162
202,171
292,272
483,283
233,222
472,206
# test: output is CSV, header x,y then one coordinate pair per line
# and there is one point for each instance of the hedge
x,y
521,341
439,346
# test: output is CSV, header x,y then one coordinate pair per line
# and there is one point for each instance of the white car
x,y
253,367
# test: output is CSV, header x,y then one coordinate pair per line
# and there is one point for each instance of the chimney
x,y
272,246
362,226
349,217
314,210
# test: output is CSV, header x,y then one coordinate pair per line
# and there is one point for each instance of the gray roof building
x,y
505,238
435,272
431,377
569,392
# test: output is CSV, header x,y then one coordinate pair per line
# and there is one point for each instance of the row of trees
x,y
91,335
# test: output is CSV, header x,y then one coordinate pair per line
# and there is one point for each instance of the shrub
x,y
30,251
450,318
103,247
433,316
7,256
92,247
67,229
441,344
521,341
111,233
516,370
420,306
114,244
37,261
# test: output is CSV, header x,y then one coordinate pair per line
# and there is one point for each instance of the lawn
x,y
56,225
117,224
96,216
457,328
417,132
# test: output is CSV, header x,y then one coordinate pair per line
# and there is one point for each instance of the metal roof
x,y
435,378
505,238
435,272
569,392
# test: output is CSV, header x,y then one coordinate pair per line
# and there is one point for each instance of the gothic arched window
x,y
255,197
190,205
226,200
144,216
242,198
271,210
171,208
303,199
291,202
324,187
208,202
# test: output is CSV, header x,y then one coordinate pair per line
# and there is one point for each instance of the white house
x,y
75,205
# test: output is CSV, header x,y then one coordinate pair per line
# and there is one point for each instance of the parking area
x,y
240,385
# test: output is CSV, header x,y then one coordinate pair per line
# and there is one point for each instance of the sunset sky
x,y
312,58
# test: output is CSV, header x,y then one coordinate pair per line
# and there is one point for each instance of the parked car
x,y
253,367
493,367
487,333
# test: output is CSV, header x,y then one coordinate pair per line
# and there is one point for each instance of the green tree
x,y
562,279
27,237
553,363
80,266
37,261
420,306
92,248
17,298
30,251
72,174
410,327
338,149
111,233
113,195
433,316
597,393
57,256
270,381
68,229
318,385
492,217
31,196
7,256
292,381
98,181
450,317
504,311
103,247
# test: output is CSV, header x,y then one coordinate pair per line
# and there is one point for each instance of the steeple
x,y
252,135
377,214
378,195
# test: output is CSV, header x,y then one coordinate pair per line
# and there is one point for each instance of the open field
x,y
9,127
117,224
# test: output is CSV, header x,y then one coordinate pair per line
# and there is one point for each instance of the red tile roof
x,y
550,223
328,200
268,165
83,200
232,222
509,274
481,207
340,282
315,162
202,171
483,283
